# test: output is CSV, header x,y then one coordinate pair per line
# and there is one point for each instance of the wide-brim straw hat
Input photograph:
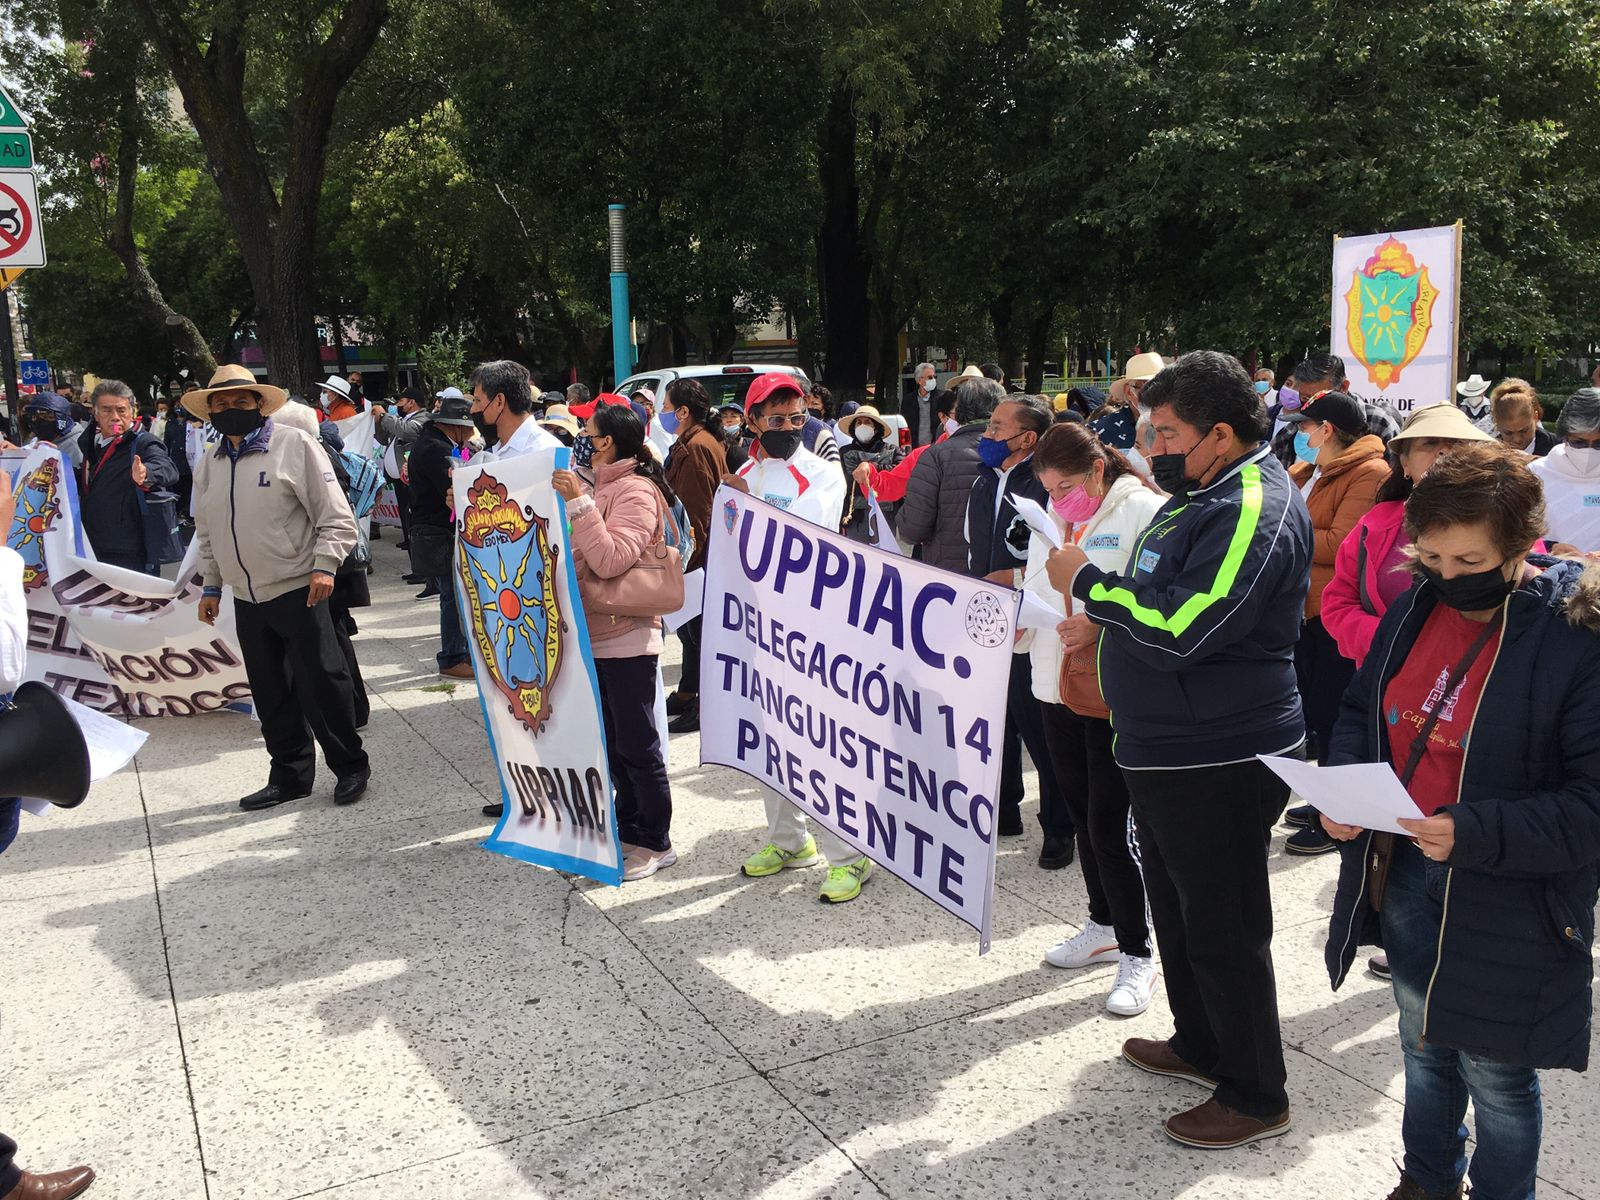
x,y
972,372
1144,367
865,413
1440,421
560,416
234,378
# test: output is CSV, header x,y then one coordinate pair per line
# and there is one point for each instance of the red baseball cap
x,y
764,386
584,411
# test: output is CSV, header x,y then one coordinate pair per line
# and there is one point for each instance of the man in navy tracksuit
x,y
1197,666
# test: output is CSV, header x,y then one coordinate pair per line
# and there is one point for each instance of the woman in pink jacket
x,y
1369,571
611,529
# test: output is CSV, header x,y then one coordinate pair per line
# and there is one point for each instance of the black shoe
x,y
1313,839
1056,853
680,702
1300,817
430,590
405,545
688,721
494,810
413,578
1378,964
271,796
1011,824
352,787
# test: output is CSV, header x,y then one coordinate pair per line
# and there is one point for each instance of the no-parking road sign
x,y
21,231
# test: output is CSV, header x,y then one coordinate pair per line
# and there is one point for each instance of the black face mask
x,y
1171,473
1478,592
43,428
237,422
485,429
780,443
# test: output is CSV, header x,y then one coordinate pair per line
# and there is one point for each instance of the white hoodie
x,y
1107,538
1571,496
803,485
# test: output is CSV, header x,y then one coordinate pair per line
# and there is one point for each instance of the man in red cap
x,y
783,472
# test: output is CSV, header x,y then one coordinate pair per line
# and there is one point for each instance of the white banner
x,y
146,635
1396,299
867,689
359,435
518,596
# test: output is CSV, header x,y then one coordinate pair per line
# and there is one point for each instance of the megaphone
x,y
42,752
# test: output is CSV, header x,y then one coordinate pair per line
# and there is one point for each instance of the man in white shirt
x,y
502,405
783,472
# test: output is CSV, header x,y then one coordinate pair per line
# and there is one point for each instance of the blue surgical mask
x,y
1302,447
668,420
583,450
993,452
1262,387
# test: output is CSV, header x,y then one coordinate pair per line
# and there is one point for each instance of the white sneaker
x,y
1096,944
640,862
1136,982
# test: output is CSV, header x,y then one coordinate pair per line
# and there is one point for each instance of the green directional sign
x,y
16,150
10,116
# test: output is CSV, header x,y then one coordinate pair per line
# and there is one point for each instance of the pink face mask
x,y
1076,506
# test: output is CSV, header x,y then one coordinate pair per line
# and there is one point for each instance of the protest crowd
x,y
1228,568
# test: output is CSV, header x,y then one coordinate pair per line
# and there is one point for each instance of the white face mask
x,y
951,425
927,384
864,433
1584,460
733,429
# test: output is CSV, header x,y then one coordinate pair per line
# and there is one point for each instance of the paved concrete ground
x,y
361,1003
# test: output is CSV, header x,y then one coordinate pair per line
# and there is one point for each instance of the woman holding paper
x,y
1487,912
1103,505
612,530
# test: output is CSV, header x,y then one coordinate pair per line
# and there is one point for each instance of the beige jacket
x,y
268,519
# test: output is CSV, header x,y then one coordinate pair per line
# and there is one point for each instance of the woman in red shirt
x,y
1482,690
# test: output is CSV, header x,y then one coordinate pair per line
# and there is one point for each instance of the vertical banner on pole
x,y
518,595
867,689
1396,307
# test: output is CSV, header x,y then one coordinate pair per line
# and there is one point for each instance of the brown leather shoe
x,y
1215,1126
58,1185
1157,1057
457,671
1409,1189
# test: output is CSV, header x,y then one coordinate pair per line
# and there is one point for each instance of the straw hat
x,y
560,416
865,412
971,372
1144,366
234,378
1440,421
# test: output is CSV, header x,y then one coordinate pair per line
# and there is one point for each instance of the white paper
x,y
878,526
112,744
1036,614
1037,520
1368,795
694,596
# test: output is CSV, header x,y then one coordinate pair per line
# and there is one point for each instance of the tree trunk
x,y
336,336
842,258
147,295
1039,347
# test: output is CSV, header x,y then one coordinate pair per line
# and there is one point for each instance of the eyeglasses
x,y
786,420
1579,442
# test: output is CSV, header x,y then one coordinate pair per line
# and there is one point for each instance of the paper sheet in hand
x,y
1037,520
1365,794
111,745
1036,614
694,596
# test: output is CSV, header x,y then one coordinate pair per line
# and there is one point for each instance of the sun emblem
x,y
38,504
507,569
1390,312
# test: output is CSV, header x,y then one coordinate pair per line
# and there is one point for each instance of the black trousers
x,y
301,688
10,1173
343,623
689,679
1203,834
402,497
1025,727
1323,675
1097,798
633,749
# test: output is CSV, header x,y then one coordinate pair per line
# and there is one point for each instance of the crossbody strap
x,y
1453,680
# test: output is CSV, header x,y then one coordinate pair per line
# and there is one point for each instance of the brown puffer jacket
x,y
1344,493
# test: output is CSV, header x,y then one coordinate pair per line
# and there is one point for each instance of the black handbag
x,y
159,513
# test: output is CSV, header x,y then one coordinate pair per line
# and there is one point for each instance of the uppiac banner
x,y
1396,301
518,596
146,635
867,689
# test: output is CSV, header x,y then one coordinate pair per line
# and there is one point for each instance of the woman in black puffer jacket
x,y
870,441
1485,679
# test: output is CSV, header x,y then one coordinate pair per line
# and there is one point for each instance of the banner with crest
x,y
1396,304
518,595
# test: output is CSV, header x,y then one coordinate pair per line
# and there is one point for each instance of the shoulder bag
x,y
652,587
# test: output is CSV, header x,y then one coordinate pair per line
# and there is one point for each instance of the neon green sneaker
x,y
844,883
770,860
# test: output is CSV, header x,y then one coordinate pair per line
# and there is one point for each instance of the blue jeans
x,y
452,641
1439,1081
